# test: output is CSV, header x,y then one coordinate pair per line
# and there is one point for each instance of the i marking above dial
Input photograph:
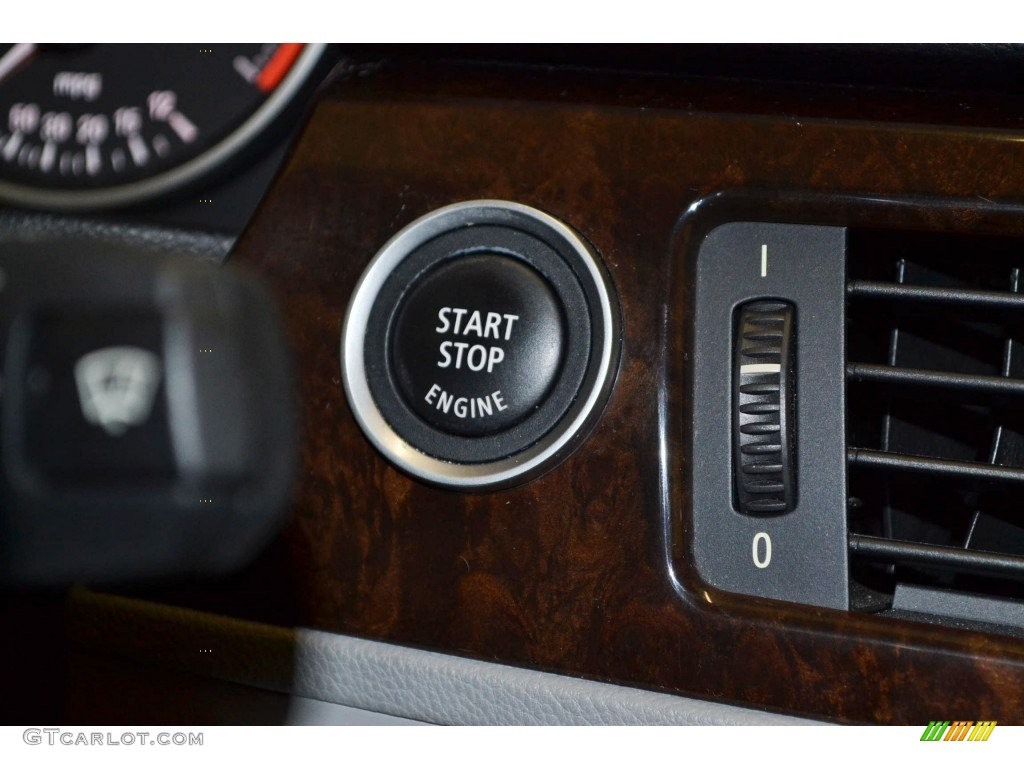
x,y
104,125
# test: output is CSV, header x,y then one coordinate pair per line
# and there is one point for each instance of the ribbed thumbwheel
x,y
764,408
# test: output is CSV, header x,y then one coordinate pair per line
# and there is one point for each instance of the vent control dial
x,y
763,408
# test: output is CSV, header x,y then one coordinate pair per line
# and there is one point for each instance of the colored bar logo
x,y
959,730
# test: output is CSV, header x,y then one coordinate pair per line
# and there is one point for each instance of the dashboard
x,y
581,211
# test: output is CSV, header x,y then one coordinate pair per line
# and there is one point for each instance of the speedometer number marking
x,y
85,126
127,121
23,118
56,127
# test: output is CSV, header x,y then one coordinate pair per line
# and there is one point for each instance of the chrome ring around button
x,y
583,407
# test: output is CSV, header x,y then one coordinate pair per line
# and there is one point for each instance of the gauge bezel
x,y
181,175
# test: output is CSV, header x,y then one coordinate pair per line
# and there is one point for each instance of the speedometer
x,y
92,126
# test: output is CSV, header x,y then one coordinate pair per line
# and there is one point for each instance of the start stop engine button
x,y
480,344
477,344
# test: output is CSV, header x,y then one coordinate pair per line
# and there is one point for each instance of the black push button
x,y
146,418
477,344
95,406
480,344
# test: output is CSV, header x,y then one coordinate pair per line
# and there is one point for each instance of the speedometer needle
x,y
16,55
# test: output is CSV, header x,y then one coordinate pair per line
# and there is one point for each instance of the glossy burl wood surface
x,y
585,570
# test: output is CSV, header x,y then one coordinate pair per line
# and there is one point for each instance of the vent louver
x,y
935,412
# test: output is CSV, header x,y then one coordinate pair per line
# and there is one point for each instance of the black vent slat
x,y
930,555
886,374
953,297
867,459
935,413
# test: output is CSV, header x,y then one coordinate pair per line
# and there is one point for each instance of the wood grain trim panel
x,y
585,570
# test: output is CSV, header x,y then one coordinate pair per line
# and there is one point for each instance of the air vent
x,y
935,414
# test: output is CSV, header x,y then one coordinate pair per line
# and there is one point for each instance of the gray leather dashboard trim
x,y
303,711
20,225
375,676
